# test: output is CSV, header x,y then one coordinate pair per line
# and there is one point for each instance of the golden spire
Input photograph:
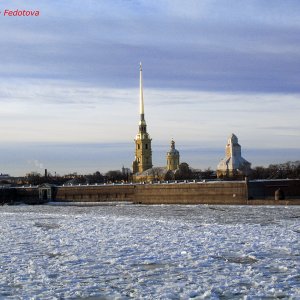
x,y
141,94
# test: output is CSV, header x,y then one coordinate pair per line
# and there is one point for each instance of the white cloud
x,y
64,111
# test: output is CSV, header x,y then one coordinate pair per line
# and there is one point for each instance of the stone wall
x,y
172,193
103,193
29,195
265,189
192,193
219,192
7,195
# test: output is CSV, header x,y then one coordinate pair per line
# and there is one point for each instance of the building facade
x,y
143,151
233,164
173,158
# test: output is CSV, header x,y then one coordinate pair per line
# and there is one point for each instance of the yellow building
x,y
172,158
143,152
161,173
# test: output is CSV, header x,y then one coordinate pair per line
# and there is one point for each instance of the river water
x,y
149,252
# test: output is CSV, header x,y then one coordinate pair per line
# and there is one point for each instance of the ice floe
x,y
149,252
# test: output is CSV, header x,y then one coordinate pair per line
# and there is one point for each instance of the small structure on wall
x,y
233,165
46,192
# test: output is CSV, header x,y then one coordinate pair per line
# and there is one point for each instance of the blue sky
x,y
69,82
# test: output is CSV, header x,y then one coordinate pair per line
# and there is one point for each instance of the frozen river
x,y
149,252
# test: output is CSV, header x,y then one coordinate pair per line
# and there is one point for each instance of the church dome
x,y
173,151
172,157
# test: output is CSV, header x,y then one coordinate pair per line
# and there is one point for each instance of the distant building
x,y
4,176
126,171
143,152
154,174
5,180
172,158
233,164
162,173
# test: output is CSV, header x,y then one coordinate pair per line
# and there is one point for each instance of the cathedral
x,y
143,152
142,165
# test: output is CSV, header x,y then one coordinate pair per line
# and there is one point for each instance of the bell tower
x,y
172,157
143,152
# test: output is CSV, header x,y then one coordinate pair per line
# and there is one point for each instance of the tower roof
x,y
233,139
141,95
173,150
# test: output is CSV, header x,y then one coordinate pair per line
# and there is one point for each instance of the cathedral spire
x,y
143,152
141,95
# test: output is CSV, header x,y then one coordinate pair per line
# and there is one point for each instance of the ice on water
x,y
149,252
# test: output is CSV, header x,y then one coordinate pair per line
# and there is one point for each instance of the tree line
x,y
288,170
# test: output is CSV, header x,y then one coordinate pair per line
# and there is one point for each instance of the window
x,y
146,146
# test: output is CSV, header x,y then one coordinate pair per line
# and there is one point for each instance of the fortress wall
x,y
265,189
192,193
7,195
179,193
29,195
101,193
230,192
